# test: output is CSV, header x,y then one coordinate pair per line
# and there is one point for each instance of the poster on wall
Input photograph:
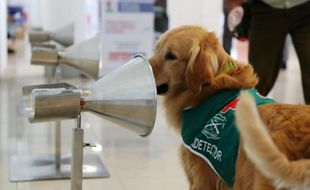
x,y
127,29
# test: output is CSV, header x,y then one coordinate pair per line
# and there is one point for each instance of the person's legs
x,y
227,35
300,32
268,30
284,54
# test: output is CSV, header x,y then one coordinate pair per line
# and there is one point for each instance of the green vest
x,y
209,131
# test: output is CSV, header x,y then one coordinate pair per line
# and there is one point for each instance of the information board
x,y
127,29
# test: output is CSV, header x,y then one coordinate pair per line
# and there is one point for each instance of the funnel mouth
x,y
154,94
126,96
153,98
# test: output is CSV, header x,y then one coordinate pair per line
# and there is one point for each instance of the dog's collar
x,y
227,67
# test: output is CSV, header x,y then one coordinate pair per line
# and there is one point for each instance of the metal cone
x,y
126,96
63,36
83,56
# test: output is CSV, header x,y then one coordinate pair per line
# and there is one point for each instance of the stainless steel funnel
x,y
126,96
63,36
83,56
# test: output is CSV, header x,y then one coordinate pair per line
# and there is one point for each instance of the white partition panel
x,y
127,29
207,13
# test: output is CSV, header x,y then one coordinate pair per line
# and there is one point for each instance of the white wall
x,y
52,15
3,35
206,13
79,13
56,13
36,13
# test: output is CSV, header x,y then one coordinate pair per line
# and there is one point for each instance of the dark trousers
x,y
268,30
227,35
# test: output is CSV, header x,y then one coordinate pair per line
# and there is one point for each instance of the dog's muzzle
x,y
162,89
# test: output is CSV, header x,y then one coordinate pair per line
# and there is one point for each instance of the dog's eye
x,y
170,56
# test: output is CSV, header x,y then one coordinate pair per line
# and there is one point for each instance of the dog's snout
x,y
162,89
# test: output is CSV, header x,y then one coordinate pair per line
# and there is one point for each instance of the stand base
x,y
32,168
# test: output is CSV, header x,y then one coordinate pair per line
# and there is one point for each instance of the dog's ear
x,y
199,69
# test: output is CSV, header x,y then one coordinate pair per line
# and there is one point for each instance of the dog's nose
x,y
162,89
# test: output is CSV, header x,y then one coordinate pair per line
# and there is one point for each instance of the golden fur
x,y
257,142
186,65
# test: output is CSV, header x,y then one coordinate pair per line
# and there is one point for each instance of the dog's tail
x,y
263,152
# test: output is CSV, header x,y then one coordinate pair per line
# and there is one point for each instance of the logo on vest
x,y
214,126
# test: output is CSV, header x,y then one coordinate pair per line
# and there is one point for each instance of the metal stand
x,y
57,127
29,168
57,144
77,156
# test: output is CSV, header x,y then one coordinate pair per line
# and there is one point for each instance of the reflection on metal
x,y
51,102
63,36
83,56
36,29
126,96
30,168
44,45
77,156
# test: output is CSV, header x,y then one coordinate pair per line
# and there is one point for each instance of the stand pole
x,y
57,145
57,128
77,156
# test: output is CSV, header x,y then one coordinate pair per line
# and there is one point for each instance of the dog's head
x,y
186,58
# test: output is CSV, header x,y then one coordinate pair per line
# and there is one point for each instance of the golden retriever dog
x,y
191,67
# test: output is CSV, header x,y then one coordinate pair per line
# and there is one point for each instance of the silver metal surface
x,y
44,56
39,36
51,102
126,96
44,45
63,36
33,168
57,144
57,78
77,156
36,28
55,104
83,56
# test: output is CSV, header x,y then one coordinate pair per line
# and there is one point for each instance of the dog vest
x,y
209,131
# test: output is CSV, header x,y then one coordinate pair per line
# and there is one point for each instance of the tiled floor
x,y
134,163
